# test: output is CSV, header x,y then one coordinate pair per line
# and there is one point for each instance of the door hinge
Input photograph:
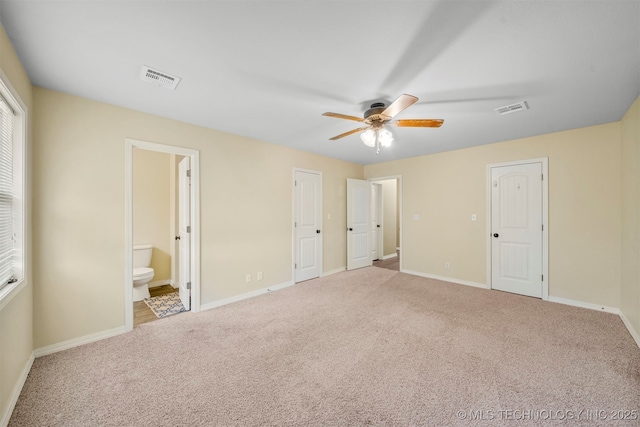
x,y
543,277
188,229
188,173
295,224
295,265
189,285
542,227
295,183
542,177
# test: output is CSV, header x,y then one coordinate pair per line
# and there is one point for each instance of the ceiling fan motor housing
x,y
376,108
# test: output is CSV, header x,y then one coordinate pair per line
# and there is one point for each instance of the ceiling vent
x,y
513,108
159,78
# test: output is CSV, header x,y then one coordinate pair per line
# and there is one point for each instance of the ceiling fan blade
x,y
343,116
419,123
398,105
351,132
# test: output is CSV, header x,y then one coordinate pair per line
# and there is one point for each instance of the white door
x,y
376,222
307,225
358,224
184,230
516,228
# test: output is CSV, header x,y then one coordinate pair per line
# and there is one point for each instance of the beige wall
x,y
16,325
630,299
245,210
152,208
584,210
389,215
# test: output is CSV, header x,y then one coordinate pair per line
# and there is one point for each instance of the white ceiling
x,y
269,69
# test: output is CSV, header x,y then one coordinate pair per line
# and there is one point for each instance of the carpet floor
x,y
389,263
365,347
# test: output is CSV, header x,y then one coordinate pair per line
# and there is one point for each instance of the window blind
x,y
6,193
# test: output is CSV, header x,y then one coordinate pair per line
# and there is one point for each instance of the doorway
x,y
177,158
517,227
374,222
388,223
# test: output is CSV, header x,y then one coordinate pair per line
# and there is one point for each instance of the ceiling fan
x,y
378,117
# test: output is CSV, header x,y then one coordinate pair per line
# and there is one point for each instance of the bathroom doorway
x,y
162,213
386,222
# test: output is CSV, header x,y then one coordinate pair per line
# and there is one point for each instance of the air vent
x,y
513,108
158,78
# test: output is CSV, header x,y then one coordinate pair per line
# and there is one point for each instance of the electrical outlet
x,y
259,276
248,278
473,217
447,265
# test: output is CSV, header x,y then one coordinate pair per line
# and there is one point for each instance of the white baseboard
x,y
389,256
246,295
446,279
174,284
159,283
334,271
65,345
634,334
17,389
581,304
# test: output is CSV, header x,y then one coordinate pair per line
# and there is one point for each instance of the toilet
x,y
142,273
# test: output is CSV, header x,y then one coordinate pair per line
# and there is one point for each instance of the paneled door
x,y
358,224
308,225
516,229
184,230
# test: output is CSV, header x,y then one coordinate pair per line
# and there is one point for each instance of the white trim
x,y
447,279
544,161
400,203
244,296
581,304
334,271
389,256
17,389
15,102
76,342
10,291
194,156
634,334
293,219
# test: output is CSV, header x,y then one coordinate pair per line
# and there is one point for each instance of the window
x,y
12,133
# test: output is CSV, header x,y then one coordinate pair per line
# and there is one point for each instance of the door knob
x,y
378,225
177,237
495,235
350,229
318,231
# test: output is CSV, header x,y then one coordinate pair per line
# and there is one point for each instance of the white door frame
x,y
399,219
544,161
194,156
293,219
379,208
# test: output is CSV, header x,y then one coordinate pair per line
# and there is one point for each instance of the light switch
x,y
328,216
473,217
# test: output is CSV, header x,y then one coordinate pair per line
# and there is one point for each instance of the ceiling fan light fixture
x,y
385,137
368,137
